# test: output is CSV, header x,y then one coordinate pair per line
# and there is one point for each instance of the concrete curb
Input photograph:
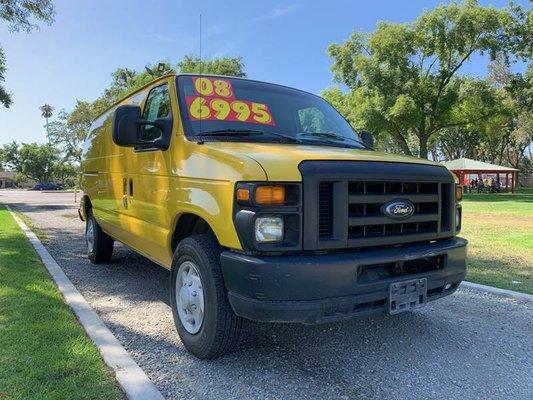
x,y
129,375
496,291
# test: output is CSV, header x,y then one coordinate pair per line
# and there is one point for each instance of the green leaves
x,y
19,13
46,110
126,81
32,160
409,73
5,97
230,66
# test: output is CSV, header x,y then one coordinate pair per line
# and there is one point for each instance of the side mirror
x,y
367,138
127,128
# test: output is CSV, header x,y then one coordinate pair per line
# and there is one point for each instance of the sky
x,y
280,41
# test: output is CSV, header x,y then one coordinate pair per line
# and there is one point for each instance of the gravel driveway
x,y
468,346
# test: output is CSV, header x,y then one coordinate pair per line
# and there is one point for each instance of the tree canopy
x,y
46,110
34,161
403,79
125,80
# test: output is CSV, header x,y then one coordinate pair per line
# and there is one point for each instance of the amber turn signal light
x,y
458,193
243,194
270,195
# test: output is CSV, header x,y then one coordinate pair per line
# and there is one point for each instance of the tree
x,y
34,161
229,66
125,80
9,155
68,132
520,89
405,76
5,97
520,140
519,126
66,173
121,81
46,112
19,15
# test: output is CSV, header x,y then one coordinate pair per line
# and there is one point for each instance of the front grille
x,y
367,224
325,204
345,202
366,219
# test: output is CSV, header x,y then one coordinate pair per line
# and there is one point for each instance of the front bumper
x,y
322,288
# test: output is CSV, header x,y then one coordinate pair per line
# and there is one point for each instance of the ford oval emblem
x,y
398,209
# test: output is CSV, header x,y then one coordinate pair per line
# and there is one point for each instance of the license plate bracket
x,y
407,295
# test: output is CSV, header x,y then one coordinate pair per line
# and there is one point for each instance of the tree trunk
x,y
423,146
402,143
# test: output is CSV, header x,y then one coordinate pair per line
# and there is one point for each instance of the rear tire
x,y
99,243
219,329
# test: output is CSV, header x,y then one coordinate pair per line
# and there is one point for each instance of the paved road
x,y
468,346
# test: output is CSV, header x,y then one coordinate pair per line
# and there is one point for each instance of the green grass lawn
x,y
499,228
44,352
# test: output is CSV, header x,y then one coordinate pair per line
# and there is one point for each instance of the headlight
x,y
269,229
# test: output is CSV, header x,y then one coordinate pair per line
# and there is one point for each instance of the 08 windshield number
x,y
212,87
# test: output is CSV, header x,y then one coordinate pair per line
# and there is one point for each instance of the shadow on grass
x,y
28,207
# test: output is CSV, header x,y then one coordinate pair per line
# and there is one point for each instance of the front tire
x,y
99,243
204,319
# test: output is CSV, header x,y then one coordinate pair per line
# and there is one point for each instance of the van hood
x,y
280,161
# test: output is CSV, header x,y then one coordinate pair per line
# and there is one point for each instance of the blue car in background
x,y
47,186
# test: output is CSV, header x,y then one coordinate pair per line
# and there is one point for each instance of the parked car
x,y
265,204
47,186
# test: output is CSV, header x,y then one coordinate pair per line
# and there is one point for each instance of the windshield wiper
x,y
336,136
230,132
247,132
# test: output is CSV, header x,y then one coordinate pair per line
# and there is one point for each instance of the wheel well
x,y
187,225
85,207
87,203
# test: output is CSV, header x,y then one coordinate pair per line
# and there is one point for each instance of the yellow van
x,y
265,204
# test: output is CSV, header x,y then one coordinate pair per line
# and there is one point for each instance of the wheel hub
x,y
190,297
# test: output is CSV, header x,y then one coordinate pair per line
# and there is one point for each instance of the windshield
x,y
235,109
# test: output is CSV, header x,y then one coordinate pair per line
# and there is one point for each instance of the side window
x,y
137,99
311,120
157,106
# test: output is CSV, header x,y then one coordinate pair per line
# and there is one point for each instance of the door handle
x,y
125,193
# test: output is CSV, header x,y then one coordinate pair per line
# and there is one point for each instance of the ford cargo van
x,y
265,204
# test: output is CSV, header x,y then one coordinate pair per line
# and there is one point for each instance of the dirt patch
x,y
500,220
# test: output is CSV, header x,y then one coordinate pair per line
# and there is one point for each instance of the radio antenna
x,y
200,44
201,70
